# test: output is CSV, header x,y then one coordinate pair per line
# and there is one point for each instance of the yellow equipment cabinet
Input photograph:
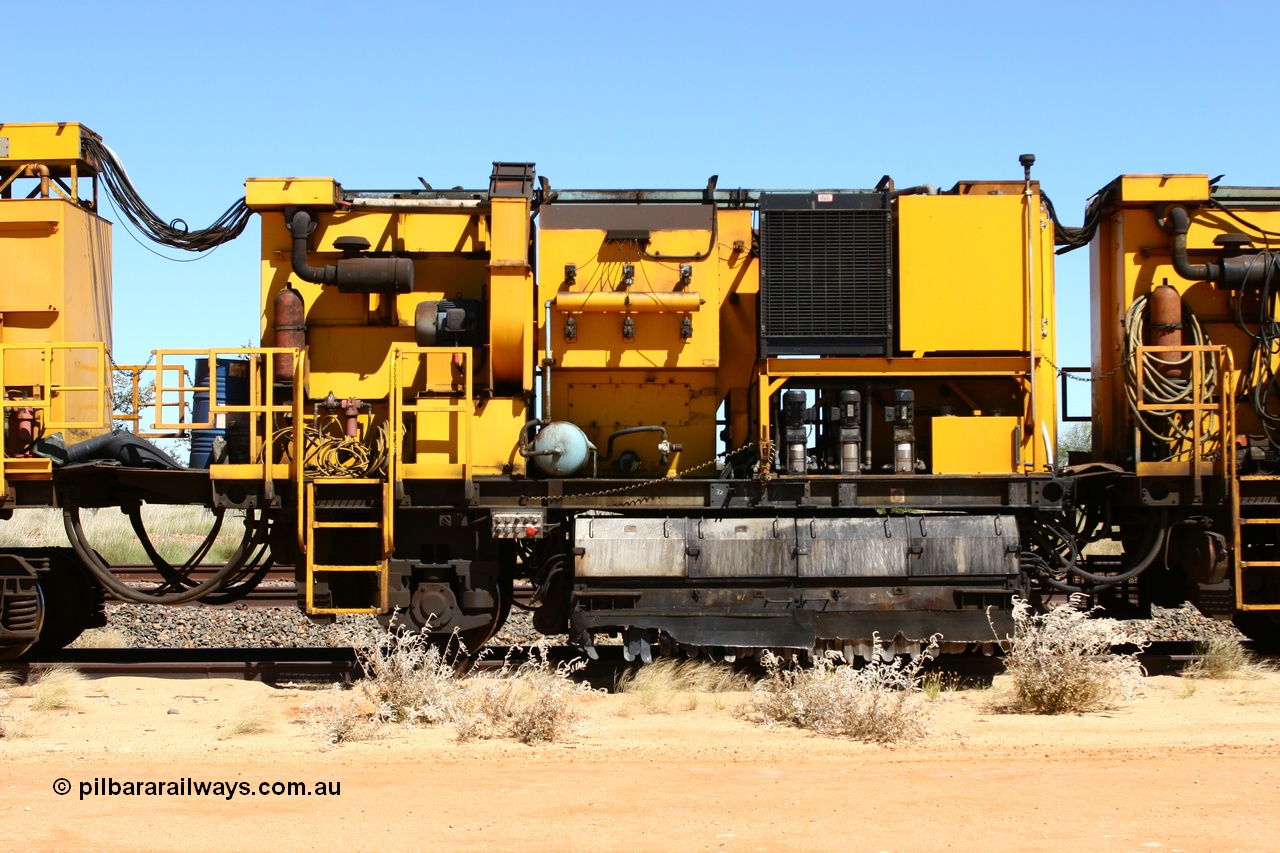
x,y
55,294
1184,359
636,296
962,271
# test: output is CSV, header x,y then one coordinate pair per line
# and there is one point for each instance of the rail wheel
x,y
72,602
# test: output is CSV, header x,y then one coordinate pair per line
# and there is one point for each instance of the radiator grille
x,y
826,281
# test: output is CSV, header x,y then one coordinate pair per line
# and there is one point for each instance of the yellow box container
x,y
974,445
276,193
1146,188
50,143
56,258
962,273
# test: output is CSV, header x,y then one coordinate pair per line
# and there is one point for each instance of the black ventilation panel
x,y
826,274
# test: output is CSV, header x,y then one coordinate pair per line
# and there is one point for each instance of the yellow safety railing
x,y
26,384
173,395
1212,415
142,397
440,380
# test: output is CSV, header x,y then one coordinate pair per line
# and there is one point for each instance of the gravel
x,y
153,626
156,626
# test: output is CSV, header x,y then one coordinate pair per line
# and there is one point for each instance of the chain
x,y
631,487
1076,377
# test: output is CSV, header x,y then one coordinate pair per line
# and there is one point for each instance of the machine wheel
x,y
72,603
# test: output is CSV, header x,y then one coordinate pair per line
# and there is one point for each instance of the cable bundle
x,y
1170,427
175,233
330,452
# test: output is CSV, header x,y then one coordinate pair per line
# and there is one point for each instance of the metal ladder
x,y
347,521
1257,541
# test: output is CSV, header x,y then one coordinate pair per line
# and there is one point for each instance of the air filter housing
x,y
826,274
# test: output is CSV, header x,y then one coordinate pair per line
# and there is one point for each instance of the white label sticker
x,y
826,197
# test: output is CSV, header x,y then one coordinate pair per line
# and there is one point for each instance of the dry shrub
x,y
101,638
1224,657
337,717
532,703
410,680
667,683
880,702
1061,661
56,688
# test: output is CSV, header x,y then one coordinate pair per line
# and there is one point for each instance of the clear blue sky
x,y
197,97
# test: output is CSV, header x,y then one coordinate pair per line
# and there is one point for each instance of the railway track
x,y
341,664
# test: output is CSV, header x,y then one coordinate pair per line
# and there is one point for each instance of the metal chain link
x,y
1062,372
631,487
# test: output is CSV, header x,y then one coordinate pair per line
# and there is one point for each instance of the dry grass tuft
x,y
252,721
412,681
937,684
878,703
533,703
337,717
1224,657
57,688
1061,661
101,638
668,683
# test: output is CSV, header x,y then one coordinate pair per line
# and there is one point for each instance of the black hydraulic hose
x,y
253,573
300,230
176,578
102,572
1179,224
608,450
240,588
1158,534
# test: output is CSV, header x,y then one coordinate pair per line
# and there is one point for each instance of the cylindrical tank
x,y
231,386
290,331
1164,326
560,449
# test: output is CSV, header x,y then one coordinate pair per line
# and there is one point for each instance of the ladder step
x,y
1260,521
370,569
363,525
1260,564
343,611
345,481
344,503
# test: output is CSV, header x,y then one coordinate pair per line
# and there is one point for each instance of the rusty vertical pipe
x,y
1164,327
290,331
24,426
351,416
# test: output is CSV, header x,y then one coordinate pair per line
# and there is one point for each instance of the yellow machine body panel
x,y
351,335
653,323
55,312
962,272
969,445
1130,256
277,193
48,143
599,298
